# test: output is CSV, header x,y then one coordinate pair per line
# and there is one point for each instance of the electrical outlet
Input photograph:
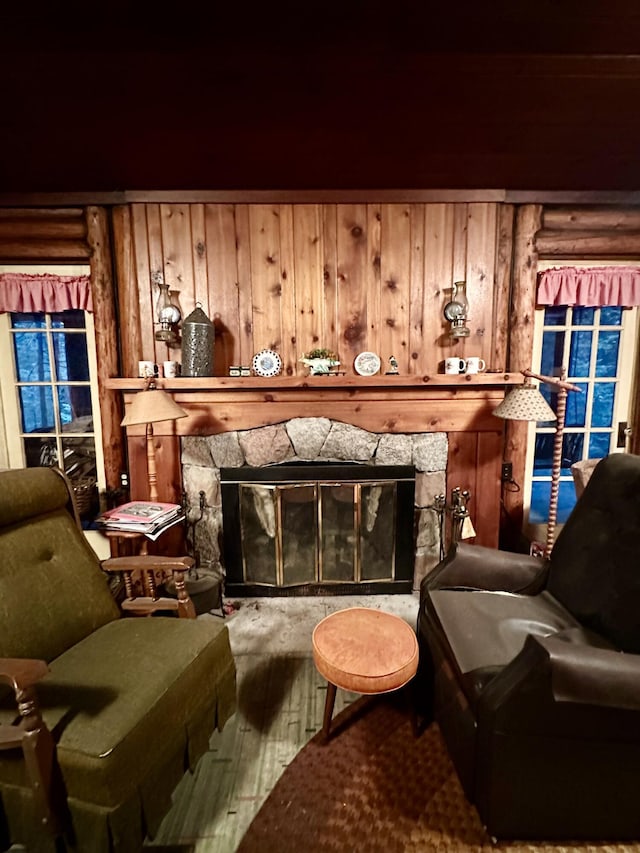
x,y
507,472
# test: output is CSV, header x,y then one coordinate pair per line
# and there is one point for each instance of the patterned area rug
x,y
374,787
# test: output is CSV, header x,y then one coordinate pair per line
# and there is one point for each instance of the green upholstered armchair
x,y
100,715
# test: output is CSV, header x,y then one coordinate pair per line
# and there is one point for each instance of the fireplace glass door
x,y
279,533
315,533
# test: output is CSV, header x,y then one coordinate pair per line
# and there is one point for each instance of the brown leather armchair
x,y
531,668
100,715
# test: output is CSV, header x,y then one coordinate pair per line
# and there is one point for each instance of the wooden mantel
x,y
382,403
461,406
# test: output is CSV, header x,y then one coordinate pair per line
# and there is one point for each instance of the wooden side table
x,y
365,651
131,543
127,543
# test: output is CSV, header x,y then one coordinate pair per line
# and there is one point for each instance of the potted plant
x,y
320,360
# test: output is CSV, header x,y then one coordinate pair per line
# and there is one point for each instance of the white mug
x,y
476,365
454,365
171,369
147,369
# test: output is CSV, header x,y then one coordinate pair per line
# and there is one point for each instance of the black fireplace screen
x,y
302,529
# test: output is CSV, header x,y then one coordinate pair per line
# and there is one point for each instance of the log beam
x,y
572,243
525,266
103,291
594,218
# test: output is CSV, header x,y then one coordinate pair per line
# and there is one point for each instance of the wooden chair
x,y
581,472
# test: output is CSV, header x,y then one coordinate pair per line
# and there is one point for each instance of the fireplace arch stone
x,y
310,440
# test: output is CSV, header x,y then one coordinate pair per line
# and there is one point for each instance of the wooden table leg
x,y
328,709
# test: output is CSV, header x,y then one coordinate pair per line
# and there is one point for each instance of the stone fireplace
x,y
320,441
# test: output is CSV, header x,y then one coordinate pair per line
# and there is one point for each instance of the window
x,y
595,345
49,397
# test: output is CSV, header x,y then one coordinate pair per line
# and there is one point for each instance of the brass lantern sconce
x,y
456,311
168,315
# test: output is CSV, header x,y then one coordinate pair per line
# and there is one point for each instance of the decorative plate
x,y
267,362
367,363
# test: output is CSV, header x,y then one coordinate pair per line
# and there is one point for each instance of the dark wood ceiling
x,y
361,96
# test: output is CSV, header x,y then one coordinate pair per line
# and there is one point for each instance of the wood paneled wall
x,y
353,277
350,277
291,277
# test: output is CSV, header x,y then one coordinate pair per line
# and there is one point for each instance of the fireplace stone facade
x,y
309,440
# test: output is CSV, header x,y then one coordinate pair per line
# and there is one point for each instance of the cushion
x,y
130,690
30,492
47,563
365,650
594,562
488,629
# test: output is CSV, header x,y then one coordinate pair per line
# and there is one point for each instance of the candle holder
x,y
168,315
457,310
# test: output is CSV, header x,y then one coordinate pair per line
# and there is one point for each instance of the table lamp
x,y
526,403
151,406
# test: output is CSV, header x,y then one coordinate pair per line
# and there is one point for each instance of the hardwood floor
x,y
280,707
280,704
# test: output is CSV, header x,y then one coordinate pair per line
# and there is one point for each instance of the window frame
x,y
12,452
629,330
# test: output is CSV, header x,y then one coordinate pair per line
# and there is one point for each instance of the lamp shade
x,y
525,403
151,406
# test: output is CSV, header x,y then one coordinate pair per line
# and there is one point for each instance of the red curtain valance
x,y
25,292
590,286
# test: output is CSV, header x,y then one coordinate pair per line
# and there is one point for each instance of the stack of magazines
x,y
149,517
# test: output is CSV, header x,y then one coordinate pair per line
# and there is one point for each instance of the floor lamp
x,y
526,403
152,406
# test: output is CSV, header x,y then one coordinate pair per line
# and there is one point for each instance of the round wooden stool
x,y
364,651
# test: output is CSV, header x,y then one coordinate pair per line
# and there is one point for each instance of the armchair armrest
x,y
558,687
34,738
22,673
585,674
147,564
477,567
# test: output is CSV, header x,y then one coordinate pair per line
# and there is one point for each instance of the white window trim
x,y
11,446
628,339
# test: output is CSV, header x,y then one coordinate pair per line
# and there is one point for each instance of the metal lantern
x,y
457,311
198,338
168,315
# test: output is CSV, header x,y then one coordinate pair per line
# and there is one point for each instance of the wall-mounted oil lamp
x,y
168,315
457,310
